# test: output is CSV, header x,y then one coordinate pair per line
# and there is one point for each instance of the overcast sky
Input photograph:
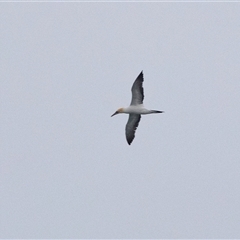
x,y
66,168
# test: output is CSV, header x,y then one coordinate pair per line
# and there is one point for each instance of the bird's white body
x,y
136,109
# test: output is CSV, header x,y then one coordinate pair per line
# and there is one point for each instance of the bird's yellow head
x,y
120,110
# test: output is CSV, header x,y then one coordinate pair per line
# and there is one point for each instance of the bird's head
x,y
120,110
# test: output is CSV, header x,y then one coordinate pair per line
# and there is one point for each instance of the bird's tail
x,y
156,111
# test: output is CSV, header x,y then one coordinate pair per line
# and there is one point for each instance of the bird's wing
x,y
131,126
137,90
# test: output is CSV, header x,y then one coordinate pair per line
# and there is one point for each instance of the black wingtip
x,y
129,141
140,76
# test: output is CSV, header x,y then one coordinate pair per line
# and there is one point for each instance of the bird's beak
x,y
115,113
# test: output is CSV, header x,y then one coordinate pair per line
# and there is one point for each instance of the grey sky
x,y
66,168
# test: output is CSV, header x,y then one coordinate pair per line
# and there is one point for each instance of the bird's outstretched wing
x,y
137,90
131,126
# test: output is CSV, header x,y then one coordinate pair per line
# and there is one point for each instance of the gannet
x,y
136,109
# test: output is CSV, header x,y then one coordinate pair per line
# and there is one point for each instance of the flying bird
x,y
136,109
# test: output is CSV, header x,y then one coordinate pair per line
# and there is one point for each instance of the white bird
x,y
136,109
